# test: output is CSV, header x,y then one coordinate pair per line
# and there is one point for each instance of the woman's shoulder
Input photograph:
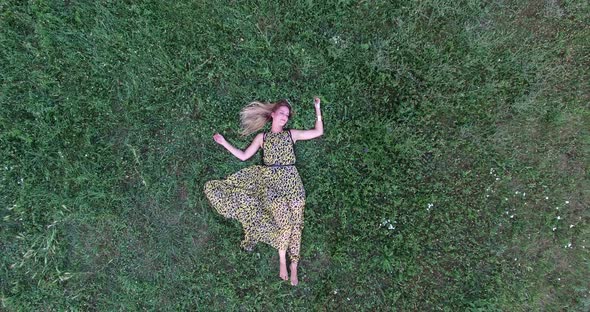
x,y
260,137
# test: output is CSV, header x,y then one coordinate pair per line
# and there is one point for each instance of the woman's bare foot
x,y
294,280
283,265
283,271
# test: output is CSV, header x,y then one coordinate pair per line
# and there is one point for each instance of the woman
x,y
268,200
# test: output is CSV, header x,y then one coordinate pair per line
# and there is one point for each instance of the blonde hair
x,y
255,115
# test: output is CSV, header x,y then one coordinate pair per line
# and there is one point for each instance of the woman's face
x,y
281,115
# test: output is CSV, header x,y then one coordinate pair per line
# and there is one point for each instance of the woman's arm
x,y
315,132
241,155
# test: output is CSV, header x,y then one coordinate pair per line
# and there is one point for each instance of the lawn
x,y
452,175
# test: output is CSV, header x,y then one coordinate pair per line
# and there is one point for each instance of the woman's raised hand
x,y
316,102
219,138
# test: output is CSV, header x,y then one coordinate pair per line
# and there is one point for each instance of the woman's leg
x,y
283,265
280,214
295,238
294,279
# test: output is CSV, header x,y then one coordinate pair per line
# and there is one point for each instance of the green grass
x,y
462,124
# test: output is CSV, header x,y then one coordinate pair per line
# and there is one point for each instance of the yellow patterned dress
x,y
268,199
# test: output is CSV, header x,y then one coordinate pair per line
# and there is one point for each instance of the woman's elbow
x,y
244,157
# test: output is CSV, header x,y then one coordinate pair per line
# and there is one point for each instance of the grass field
x,y
452,175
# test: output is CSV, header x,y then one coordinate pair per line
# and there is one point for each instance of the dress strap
x,y
262,149
291,136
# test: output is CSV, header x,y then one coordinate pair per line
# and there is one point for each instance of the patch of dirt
x,y
319,263
182,193
201,237
532,9
94,245
534,16
569,163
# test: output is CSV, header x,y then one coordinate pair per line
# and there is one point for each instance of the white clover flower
x,y
512,217
558,217
567,201
546,197
391,227
554,229
497,179
571,226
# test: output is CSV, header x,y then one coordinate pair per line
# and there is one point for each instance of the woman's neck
x,y
276,129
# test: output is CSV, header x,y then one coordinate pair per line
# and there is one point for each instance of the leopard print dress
x,y
268,199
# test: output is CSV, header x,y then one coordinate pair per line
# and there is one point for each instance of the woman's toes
x,y
283,272
294,280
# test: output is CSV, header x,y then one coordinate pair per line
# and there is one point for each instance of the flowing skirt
x,y
267,201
